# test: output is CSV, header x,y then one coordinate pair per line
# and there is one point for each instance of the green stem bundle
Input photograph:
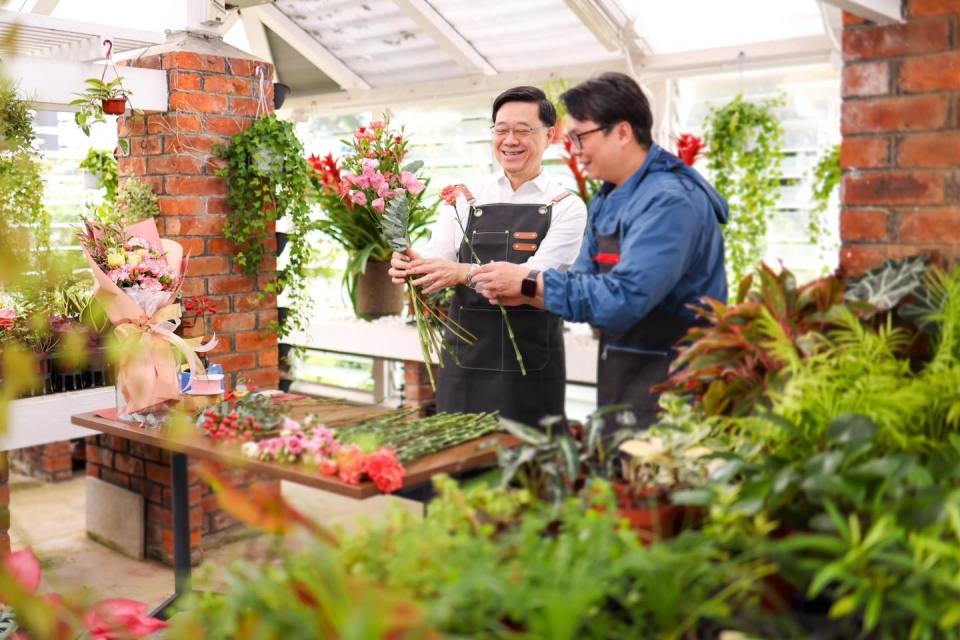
x,y
412,439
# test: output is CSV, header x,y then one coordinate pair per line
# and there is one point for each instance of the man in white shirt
x,y
521,215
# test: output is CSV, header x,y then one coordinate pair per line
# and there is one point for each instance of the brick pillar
x,y
417,391
901,136
4,504
212,97
51,462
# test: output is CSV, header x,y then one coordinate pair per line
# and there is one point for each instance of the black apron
x,y
632,361
488,376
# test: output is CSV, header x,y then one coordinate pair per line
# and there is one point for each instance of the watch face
x,y
529,287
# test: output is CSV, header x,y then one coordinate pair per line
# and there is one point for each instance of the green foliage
x,y
729,364
745,152
90,103
136,201
103,164
267,178
826,178
885,287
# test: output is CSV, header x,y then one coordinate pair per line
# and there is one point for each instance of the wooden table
x,y
471,455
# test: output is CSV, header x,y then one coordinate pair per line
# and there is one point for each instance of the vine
x,y
745,141
826,178
268,179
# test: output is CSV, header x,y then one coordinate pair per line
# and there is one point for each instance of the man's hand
x,y
437,273
400,263
501,280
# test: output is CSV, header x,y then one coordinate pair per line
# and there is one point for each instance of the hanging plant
x,y
267,178
745,152
102,167
102,97
826,178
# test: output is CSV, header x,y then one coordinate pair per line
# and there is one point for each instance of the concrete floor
x,y
50,519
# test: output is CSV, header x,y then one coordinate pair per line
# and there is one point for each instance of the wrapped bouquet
x,y
137,277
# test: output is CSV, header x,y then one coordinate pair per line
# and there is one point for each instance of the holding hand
x,y
437,273
501,282
399,263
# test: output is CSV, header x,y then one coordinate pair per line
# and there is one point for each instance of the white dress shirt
x,y
558,249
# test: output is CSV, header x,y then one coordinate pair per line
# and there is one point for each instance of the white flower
x,y
250,450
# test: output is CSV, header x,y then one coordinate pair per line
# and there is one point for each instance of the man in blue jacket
x,y
653,246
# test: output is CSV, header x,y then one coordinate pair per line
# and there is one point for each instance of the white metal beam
x,y
257,37
609,24
44,7
780,53
123,38
231,19
50,84
879,11
308,47
448,38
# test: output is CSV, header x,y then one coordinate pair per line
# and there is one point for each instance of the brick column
x,y
901,137
211,97
4,504
417,391
51,462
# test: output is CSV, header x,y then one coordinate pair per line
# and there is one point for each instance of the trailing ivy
x,y
267,179
826,178
745,142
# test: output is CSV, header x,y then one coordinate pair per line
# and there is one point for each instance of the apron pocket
x,y
625,376
534,339
487,352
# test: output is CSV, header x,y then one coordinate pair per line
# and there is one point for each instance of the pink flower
x,y
328,466
295,446
383,190
369,166
385,470
450,193
359,197
120,619
7,318
377,205
410,181
377,125
24,568
151,284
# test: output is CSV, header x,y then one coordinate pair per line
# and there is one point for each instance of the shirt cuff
x,y
554,286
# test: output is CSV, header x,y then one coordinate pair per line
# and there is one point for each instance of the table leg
x,y
181,532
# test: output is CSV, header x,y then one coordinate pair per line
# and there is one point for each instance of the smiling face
x,y
521,155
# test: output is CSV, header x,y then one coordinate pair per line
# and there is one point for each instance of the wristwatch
x,y
471,270
528,287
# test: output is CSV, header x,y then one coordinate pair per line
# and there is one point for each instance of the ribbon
x,y
147,372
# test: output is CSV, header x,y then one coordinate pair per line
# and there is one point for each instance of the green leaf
x,y
844,606
851,428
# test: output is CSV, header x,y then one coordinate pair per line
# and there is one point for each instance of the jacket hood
x,y
661,160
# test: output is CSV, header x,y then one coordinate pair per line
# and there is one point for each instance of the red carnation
x,y
450,193
385,470
350,464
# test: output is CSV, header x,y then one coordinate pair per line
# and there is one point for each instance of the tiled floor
x,y
50,518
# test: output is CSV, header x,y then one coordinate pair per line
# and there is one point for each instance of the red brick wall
x,y
50,462
901,136
211,98
417,391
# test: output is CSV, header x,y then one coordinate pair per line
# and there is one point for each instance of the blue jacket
x,y
671,249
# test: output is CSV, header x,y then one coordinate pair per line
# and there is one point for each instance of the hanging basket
x,y
114,106
377,296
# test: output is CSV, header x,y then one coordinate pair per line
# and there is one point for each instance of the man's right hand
x,y
399,264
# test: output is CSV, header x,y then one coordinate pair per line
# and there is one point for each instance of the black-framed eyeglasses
x,y
520,132
575,137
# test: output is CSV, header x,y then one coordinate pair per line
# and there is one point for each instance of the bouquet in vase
x,y
137,278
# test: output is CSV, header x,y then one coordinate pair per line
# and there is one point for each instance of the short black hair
x,y
611,98
548,112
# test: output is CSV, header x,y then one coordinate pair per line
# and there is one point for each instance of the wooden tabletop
x,y
471,455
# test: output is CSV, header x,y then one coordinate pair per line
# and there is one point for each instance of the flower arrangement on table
x,y
374,205
137,278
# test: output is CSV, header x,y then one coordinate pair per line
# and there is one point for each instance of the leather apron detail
x,y
632,361
488,377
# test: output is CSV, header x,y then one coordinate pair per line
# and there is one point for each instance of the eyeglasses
x,y
575,138
519,132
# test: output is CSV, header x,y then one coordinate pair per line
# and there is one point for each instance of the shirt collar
x,y
541,182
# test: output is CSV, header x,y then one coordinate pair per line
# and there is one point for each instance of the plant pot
x,y
376,295
90,180
114,106
647,511
282,239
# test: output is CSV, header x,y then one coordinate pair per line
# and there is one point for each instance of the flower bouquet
x,y
137,277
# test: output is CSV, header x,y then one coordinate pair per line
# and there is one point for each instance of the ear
x,y
555,134
624,133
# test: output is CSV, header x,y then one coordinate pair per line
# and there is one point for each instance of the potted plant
x,y
267,179
101,98
355,192
100,170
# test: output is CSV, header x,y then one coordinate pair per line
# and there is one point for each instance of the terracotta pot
x,y
647,510
114,106
376,295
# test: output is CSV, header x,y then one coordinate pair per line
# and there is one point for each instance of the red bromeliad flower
x,y
328,170
576,170
385,470
688,148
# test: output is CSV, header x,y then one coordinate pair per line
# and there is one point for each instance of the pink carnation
x,y
359,197
377,205
7,318
410,181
